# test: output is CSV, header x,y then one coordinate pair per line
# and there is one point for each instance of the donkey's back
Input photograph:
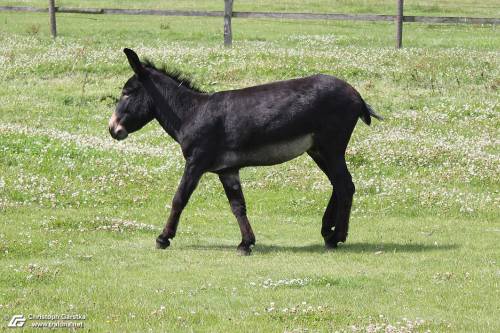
x,y
284,110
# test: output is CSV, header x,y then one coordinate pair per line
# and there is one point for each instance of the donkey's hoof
x,y
244,250
331,245
332,240
162,243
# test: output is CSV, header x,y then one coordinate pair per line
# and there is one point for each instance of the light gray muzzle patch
x,y
116,130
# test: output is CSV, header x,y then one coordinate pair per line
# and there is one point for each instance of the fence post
x,y
399,25
228,13
52,15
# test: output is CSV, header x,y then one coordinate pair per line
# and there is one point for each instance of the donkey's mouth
x,y
117,130
119,134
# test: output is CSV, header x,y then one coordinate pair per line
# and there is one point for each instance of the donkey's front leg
x,y
232,186
189,180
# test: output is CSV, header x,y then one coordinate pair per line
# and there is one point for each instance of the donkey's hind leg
x,y
328,221
343,194
339,207
330,147
231,182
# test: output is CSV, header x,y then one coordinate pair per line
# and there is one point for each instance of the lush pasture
x,y
487,8
79,212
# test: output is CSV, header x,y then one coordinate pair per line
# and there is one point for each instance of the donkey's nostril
x,y
120,133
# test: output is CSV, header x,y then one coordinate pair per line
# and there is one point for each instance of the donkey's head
x,y
135,107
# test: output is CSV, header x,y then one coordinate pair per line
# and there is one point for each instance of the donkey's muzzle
x,y
118,134
117,131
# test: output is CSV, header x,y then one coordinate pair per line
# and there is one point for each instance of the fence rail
x,y
276,15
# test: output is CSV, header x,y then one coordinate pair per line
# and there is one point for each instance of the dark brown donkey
x,y
225,131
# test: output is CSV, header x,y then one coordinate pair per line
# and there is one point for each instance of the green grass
x,y
487,8
79,212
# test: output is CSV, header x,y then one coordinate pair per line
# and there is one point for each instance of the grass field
x,y
79,212
486,8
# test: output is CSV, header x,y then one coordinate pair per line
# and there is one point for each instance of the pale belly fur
x,y
269,154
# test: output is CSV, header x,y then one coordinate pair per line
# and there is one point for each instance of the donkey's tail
x,y
368,112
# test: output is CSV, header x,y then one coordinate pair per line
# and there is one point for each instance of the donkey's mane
x,y
175,75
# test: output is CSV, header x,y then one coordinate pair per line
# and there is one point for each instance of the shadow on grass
x,y
348,247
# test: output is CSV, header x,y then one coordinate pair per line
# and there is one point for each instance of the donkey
x,y
225,131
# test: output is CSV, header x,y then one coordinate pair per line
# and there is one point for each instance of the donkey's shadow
x,y
361,247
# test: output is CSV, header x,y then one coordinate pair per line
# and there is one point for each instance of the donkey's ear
x,y
134,62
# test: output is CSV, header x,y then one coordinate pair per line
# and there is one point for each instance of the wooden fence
x,y
228,13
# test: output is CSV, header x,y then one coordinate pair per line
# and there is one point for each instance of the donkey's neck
x,y
173,102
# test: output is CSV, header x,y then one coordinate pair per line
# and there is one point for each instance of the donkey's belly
x,y
268,154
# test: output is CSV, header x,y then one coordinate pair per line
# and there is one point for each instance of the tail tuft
x,y
368,113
